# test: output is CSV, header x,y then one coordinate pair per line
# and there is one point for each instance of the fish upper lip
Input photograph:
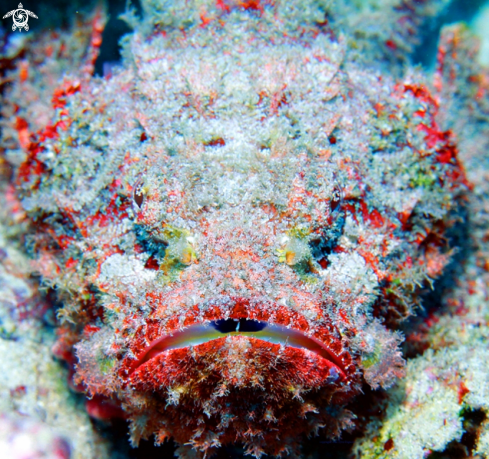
x,y
288,323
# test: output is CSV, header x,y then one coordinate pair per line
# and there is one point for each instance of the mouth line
x,y
197,334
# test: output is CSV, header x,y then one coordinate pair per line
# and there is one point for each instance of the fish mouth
x,y
272,333
286,328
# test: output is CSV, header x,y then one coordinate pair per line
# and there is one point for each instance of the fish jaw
x,y
241,382
274,325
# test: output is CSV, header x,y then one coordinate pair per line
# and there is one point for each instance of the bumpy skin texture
x,y
238,167
435,406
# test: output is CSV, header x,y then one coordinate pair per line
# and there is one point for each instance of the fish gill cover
x,y
237,219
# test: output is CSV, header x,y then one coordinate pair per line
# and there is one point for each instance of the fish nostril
x,y
238,325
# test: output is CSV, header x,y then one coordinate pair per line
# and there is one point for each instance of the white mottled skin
x,y
222,148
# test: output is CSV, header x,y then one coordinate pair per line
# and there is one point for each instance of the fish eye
x,y
138,193
336,197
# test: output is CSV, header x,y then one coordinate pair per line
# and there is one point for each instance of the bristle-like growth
x,y
240,168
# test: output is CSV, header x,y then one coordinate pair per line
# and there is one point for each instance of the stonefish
x,y
236,219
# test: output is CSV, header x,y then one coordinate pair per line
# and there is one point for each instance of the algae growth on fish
x,y
238,218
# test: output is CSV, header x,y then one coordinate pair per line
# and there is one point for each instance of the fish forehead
x,y
231,190
228,141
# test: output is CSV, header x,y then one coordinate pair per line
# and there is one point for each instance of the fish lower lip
x,y
197,334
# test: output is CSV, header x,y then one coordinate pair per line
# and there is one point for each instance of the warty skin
x,y
238,168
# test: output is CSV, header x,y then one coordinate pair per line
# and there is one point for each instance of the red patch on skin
x,y
104,409
391,45
23,132
374,217
204,20
389,444
404,219
422,93
433,134
373,262
431,320
23,71
152,263
98,24
33,167
18,391
251,5
447,154
462,392
216,142
223,6
63,347
89,330
446,150
323,263
71,263
60,95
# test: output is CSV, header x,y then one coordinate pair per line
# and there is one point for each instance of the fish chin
x,y
238,366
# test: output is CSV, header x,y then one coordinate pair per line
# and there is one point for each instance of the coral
x,y
39,416
21,438
425,412
480,29
432,408
238,218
